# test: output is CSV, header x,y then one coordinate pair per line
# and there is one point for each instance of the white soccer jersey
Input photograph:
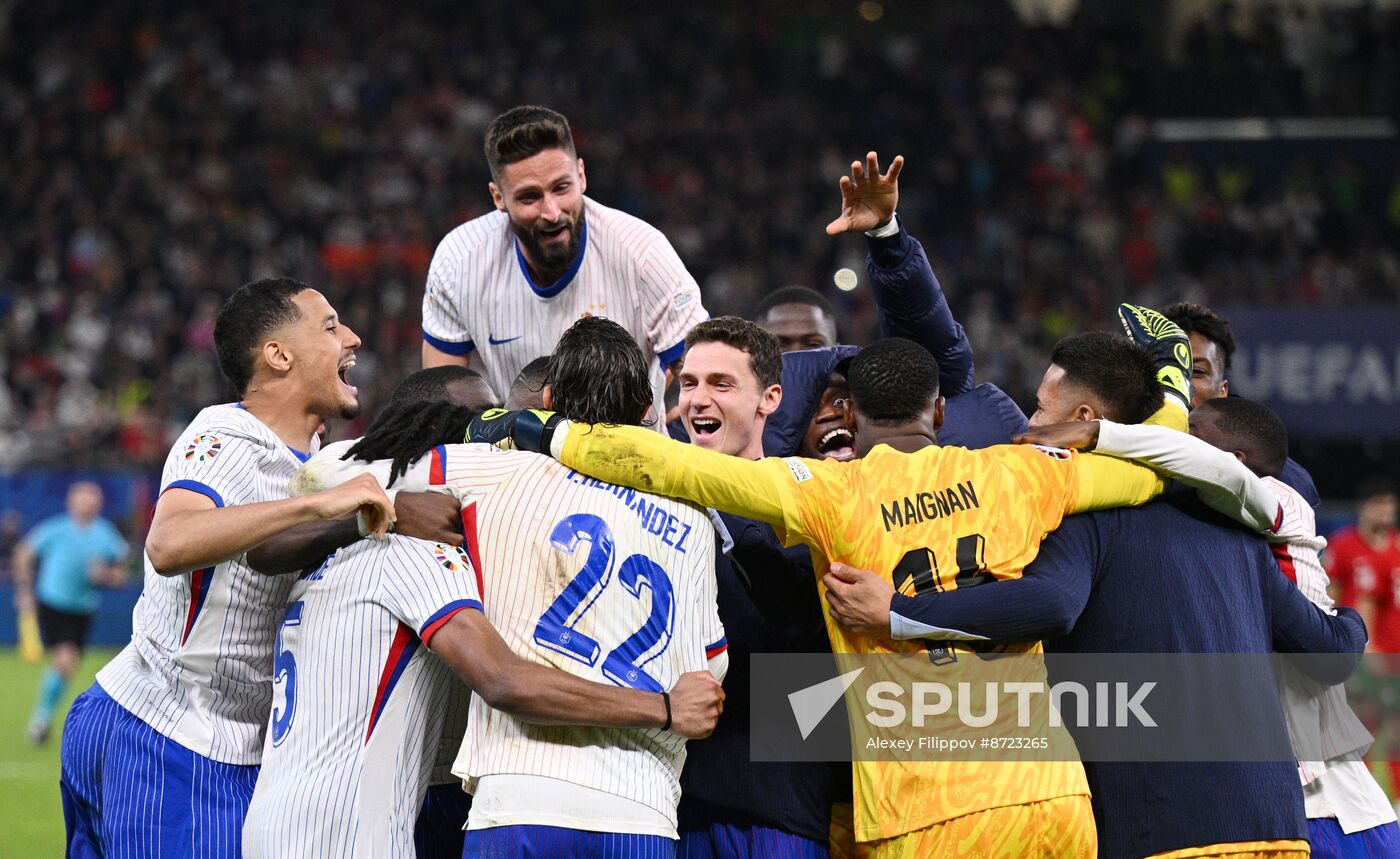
x,y
480,297
359,702
199,663
606,583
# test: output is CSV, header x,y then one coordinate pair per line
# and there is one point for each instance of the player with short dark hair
x,y
731,805
246,320
893,381
1097,374
503,287
160,755
763,349
1248,429
527,391
1212,348
524,131
799,317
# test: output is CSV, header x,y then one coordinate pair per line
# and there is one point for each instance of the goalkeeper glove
x,y
1168,344
525,429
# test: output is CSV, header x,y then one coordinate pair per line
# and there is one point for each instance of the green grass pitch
x,y
31,816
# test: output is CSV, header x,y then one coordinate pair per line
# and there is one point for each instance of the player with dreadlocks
x,y
542,538
383,731
428,408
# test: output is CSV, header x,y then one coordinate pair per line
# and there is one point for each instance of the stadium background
x,y
1061,156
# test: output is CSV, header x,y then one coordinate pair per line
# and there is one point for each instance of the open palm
x,y
868,199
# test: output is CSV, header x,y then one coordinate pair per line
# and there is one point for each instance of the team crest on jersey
x,y
684,298
1052,452
452,558
203,448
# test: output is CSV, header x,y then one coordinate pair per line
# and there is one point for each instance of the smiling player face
x,y
722,402
832,432
543,197
323,352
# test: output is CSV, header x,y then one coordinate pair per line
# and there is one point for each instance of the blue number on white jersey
x,y
555,628
284,675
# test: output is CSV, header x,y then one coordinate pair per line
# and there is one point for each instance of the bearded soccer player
x,y
503,287
906,502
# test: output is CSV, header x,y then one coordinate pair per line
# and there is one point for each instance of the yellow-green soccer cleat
x,y
1168,344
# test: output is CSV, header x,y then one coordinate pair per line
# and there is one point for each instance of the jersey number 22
x,y
556,627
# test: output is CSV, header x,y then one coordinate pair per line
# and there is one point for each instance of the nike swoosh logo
x,y
494,342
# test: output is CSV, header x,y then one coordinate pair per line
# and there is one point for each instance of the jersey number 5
x,y
556,630
284,673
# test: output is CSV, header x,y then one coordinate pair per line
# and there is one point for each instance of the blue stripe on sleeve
x,y
201,488
447,346
450,608
673,354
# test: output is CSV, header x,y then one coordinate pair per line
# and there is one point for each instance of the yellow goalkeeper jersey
x,y
931,520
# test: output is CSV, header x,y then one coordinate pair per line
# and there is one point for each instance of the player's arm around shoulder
x,y
547,696
189,530
1101,482
775,490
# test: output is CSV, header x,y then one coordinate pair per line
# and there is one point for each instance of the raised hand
x,y
868,199
1072,435
697,699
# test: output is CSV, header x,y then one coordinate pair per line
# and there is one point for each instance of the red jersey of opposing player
x,y
1363,570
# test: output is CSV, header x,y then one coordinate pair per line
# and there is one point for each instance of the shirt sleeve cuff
x,y
672,355
889,229
447,346
902,627
713,650
195,486
442,616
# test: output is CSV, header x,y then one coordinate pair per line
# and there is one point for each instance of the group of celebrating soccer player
x,y
526,632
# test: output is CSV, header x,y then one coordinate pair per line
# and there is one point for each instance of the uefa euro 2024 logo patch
x,y
203,448
452,558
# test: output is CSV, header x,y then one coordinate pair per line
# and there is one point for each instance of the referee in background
x,y
77,552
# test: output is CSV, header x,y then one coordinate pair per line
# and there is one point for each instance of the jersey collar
x,y
566,278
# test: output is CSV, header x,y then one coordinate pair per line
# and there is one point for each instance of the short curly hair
x,y
893,380
1199,319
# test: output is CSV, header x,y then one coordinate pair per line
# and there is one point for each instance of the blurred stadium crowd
x,y
159,155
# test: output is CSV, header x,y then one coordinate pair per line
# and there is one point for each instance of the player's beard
x,y
551,259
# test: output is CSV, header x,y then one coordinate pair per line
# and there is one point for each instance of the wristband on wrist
x,y
666,698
